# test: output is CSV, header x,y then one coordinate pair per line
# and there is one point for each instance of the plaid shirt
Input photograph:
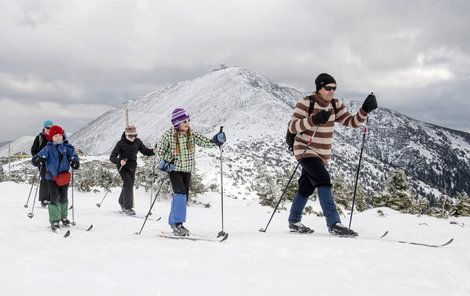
x,y
185,161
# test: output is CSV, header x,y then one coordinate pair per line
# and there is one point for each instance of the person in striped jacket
x,y
177,150
312,148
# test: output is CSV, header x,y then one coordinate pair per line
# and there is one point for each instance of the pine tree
x,y
462,208
397,193
2,174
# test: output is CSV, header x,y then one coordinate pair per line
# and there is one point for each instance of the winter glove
x,y
321,117
75,164
219,139
166,167
370,103
38,161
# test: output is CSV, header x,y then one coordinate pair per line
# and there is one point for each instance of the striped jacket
x,y
302,125
174,147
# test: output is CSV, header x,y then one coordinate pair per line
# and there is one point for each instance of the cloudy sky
x,y
71,60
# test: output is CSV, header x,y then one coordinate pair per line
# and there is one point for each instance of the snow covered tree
x,y
2,174
420,206
270,185
397,194
462,208
344,192
96,174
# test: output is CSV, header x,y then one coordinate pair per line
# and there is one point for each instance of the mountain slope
x,y
254,112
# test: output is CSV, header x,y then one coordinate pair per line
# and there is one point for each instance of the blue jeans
x,y
178,209
314,176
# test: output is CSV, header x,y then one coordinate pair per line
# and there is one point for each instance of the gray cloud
x,y
82,57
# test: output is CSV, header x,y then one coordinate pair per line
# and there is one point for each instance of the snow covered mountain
x,y
22,144
254,112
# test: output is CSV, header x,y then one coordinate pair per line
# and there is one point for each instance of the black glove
x,y
321,117
219,139
370,103
38,161
75,164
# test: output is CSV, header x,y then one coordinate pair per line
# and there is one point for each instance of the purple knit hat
x,y
177,116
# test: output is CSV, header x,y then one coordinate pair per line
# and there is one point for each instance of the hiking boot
x,y
179,229
55,226
129,212
43,203
340,229
299,227
65,222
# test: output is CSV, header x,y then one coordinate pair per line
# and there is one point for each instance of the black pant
x,y
180,182
126,199
57,194
314,174
43,186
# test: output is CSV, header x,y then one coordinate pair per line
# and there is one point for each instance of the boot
x,y
299,227
179,229
65,222
341,230
55,226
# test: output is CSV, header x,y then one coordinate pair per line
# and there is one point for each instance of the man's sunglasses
x,y
328,88
132,136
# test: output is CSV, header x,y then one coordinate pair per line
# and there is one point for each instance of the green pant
x,y
59,203
58,211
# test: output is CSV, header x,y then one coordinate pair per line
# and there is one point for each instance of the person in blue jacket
x,y
57,157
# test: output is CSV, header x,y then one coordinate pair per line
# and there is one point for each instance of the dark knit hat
x,y
55,130
177,116
130,130
324,79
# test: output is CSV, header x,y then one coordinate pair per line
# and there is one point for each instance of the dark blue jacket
x,y
58,157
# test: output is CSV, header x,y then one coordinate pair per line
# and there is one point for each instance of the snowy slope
x,y
22,144
111,260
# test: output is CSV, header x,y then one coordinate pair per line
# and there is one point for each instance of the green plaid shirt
x,y
185,161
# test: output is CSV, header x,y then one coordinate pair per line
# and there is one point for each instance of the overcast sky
x,y
70,61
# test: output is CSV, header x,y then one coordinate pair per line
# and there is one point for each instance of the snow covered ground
x,y
111,260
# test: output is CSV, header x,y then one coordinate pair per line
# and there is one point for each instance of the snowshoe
x,y
341,230
299,227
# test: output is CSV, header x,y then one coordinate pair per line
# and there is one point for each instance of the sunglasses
x,y
47,127
329,88
132,136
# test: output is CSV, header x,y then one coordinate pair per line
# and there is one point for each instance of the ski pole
x,y
31,214
73,208
290,179
357,172
151,207
31,189
117,173
222,232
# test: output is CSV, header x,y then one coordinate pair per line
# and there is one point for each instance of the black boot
x,y
66,222
340,229
299,227
55,226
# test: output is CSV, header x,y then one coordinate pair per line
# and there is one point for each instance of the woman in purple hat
x,y
176,150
